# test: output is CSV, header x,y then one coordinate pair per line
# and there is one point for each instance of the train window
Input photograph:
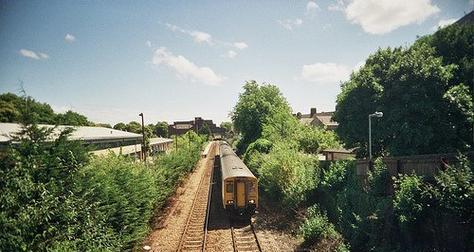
x,y
229,188
251,187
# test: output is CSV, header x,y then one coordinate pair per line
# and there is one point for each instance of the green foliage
x,y
228,131
287,174
161,129
54,199
410,199
37,200
134,127
120,126
256,105
317,229
72,118
316,226
425,92
312,140
441,206
13,106
334,177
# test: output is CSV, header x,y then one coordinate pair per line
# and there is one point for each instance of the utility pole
x,y
144,152
376,114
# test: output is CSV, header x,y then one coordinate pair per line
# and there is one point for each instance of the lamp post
x,y
143,134
376,114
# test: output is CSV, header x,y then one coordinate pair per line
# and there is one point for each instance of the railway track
x,y
195,231
244,237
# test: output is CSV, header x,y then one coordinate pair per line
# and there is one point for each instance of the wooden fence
x,y
426,165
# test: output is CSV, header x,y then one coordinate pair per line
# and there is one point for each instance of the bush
x,y
316,229
125,192
54,198
288,175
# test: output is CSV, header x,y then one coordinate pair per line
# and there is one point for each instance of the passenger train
x,y
238,185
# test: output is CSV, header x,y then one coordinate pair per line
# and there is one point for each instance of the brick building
x,y
321,119
196,125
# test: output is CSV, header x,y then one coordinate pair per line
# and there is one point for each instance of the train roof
x,y
232,165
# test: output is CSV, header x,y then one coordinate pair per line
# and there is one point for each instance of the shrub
x,y
54,198
317,229
288,174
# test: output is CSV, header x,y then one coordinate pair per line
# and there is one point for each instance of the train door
x,y
240,193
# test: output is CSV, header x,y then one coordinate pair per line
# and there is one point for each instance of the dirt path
x,y
167,232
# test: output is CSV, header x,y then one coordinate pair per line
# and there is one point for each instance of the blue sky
x,y
173,60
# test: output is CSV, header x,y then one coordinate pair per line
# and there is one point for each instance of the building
x,y
100,140
196,125
321,119
337,154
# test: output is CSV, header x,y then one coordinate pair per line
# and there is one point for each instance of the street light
x,y
143,133
376,114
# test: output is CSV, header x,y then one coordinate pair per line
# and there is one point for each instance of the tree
x,y
161,129
105,125
425,109
120,126
73,119
227,126
134,127
254,108
11,106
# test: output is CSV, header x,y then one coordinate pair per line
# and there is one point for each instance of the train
x,y
238,184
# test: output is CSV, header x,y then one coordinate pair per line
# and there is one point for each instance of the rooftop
x,y
85,133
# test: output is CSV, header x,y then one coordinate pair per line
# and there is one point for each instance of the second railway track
x,y
194,234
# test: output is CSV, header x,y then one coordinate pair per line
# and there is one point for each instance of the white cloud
x,y
339,5
29,54
231,54
69,38
43,55
290,24
185,68
200,37
240,45
311,6
33,55
325,72
148,43
444,22
383,16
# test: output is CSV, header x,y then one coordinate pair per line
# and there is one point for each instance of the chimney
x,y
313,112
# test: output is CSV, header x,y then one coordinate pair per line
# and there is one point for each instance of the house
x,y
321,119
196,125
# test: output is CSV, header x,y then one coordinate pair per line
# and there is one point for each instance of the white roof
x,y
7,130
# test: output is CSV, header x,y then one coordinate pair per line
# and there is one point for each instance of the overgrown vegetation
x,y
423,214
55,197
425,92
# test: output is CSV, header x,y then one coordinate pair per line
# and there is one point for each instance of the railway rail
x,y
194,236
244,237
195,231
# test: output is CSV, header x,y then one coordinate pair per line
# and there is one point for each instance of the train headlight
x,y
252,201
230,202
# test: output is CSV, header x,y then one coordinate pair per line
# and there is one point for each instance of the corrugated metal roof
x,y
231,165
130,149
86,133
